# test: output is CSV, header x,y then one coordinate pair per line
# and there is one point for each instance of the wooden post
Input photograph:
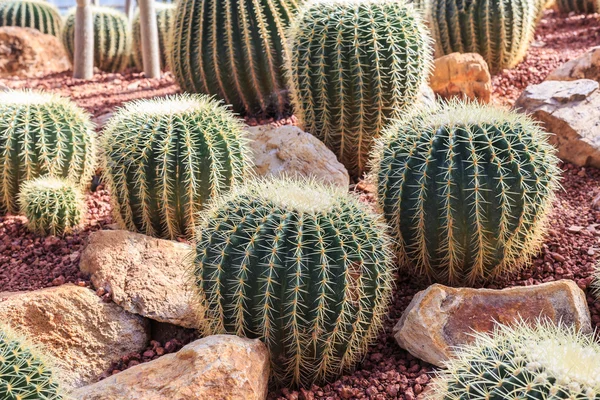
x,y
129,8
149,31
83,59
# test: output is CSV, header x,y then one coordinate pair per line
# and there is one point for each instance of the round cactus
x,y
112,38
466,190
355,64
164,159
42,134
36,14
304,267
577,6
164,19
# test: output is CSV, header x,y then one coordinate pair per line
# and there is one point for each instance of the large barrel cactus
x,y
577,6
304,267
164,159
466,190
42,134
233,49
112,38
354,65
164,19
36,14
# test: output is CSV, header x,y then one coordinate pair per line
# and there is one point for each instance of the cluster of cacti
x,y
112,38
36,14
304,267
500,31
42,134
355,65
577,6
164,159
466,190
233,49
52,205
164,20
529,362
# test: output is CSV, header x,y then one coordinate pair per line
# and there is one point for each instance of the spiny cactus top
x,y
36,14
304,267
165,158
42,133
466,190
577,6
355,64
164,19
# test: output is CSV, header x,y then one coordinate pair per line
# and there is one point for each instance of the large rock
x,y
84,334
586,66
216,367
571,111
27,52
465,76
440,318
144,275
287,150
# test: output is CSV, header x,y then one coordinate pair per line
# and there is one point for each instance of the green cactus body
x,y
304,267
354,66
466,190
112,38
36,14
233,49
164,19
164,159
577,6
42,134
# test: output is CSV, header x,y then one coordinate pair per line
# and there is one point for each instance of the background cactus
x,y
466,190
234,50
164,19
40,134
355,65
304,267
577,6
36,14
164,159
112,38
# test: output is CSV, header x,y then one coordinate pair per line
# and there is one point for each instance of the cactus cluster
x,y
36,14
112,38
354,65
165,158
466,190
578,6
42,134
164,19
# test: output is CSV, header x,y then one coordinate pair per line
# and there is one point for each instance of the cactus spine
x,y
36,14
577,6
164,159
164,19
40,134
466,190
306,268
355,65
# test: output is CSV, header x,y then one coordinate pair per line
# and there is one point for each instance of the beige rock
x,y
570,110
216,367
84,334
586,66
289,150
440,318
145,275
465,76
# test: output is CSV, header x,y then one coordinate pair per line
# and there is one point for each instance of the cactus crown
x,y
578,6
164,19
36,14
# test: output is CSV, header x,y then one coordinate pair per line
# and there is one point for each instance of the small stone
x,y
586,66
574,229
464,76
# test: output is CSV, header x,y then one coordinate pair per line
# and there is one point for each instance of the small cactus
x,y
466,189
304,267
577,6
164,19
36,14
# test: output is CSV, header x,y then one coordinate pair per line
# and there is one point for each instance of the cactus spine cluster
x,y
304,267
233,49
354,65
164,159
112,38
42,134
164,19
36,14
578,6
466,190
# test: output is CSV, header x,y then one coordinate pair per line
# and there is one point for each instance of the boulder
x,y
287,150
216,367
144,275
570,111
586,66
465,76
440,318
27,52
81,332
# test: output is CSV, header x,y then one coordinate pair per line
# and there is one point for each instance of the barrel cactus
x,y
466,189
36,14
577,6
42,134
353,66
165,158
112,38
304,267
164,19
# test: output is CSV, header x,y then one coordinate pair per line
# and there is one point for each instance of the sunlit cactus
x,y
164,19
36,14
466,190
577,6
304,267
